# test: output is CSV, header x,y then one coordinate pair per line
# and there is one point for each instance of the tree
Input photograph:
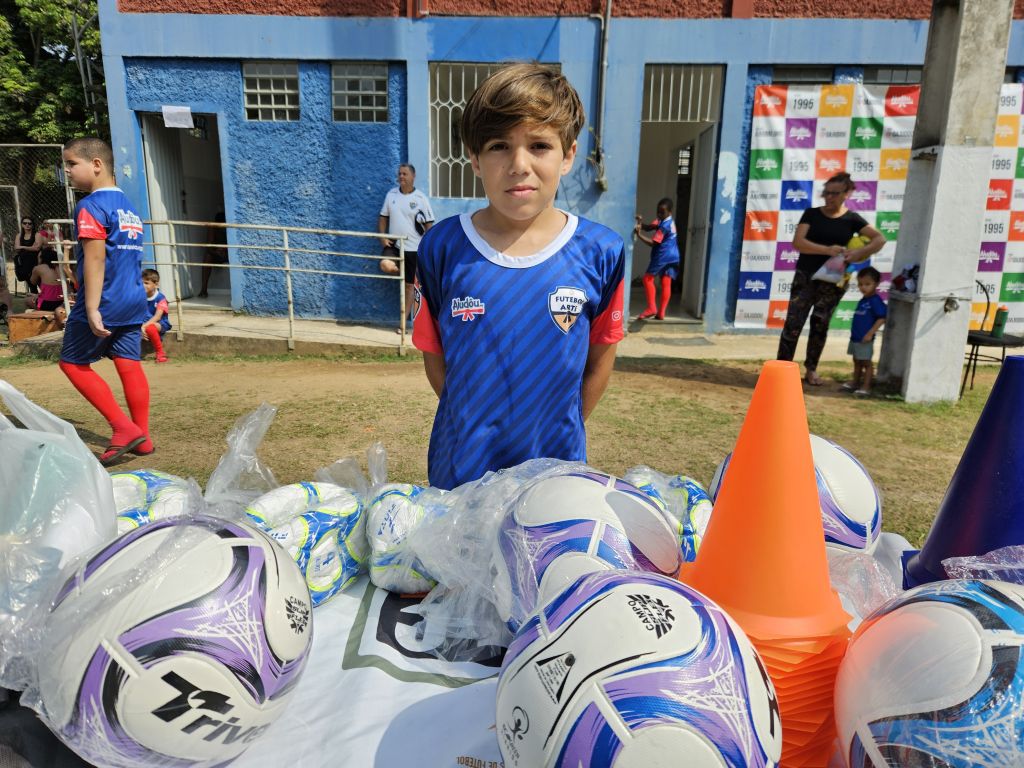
x,y
51,80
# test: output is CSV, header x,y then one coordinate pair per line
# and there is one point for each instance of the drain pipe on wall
x,y
598,159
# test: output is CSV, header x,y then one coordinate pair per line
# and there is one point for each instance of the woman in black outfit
x,y
821,234
27,244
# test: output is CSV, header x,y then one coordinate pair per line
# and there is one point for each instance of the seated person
x,y
46,277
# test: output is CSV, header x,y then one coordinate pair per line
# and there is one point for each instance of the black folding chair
x,y
982,338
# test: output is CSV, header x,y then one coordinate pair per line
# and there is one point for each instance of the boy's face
x,y
521,170
866,285
82,173
150,286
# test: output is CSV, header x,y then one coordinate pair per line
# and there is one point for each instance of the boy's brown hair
x,y
90,148
151,275
527,92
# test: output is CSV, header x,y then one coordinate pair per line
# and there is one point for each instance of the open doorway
x,y
678,135
184,183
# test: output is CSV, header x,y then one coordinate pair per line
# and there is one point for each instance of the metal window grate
x,y
892,75
682,93
451,85
798,74
271,90
359,92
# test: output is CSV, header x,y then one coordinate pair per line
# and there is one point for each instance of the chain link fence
x,y
32,184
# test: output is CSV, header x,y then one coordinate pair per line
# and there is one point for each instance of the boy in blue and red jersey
x,y
664,258
110,308
518,305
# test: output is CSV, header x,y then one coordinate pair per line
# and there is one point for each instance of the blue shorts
x,y
672,270
82,347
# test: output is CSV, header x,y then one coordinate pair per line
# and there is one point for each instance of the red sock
x,y
95,390
666,294
649,293
136,393
153,334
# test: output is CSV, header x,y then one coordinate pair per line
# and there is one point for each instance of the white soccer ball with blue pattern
x,y
935,678
684,499
851,508
635,670
561,527
146,495
322,527
395,512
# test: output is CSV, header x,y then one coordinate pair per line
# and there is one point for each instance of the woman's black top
x,y
827,231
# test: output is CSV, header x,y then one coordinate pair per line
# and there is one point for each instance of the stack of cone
x,y
763,560
983,508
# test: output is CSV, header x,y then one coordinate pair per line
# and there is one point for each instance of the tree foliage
x,y
43,98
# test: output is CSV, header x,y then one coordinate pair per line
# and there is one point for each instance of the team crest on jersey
x,y
467,308
565,306
128,221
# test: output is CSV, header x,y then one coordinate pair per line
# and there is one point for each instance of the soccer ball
x,y
683,499
634,669
561,527
851,509
321,526
146,495
177,644
392,515
935,678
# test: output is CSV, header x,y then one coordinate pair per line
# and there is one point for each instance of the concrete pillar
x,y
945,197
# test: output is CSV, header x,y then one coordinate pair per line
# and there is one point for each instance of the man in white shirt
x,y
406,211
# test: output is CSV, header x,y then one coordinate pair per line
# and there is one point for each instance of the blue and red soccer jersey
x,y
107,215
515,333
159,301
665,252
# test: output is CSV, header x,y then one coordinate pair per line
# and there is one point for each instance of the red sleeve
x,y
89,228
607,327
659,235
162,304
426,335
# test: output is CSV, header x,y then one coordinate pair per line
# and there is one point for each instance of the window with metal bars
x,y
359,92
682,93
271,90
892,75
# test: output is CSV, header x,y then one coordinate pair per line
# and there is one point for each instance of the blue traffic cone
x,y
983,508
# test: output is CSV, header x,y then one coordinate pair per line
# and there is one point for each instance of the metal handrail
x,y
284,248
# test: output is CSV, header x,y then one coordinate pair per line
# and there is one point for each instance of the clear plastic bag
x,y
862,582
240,475
684,499
1004,564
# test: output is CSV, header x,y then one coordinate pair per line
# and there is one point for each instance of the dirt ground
x,y
674,415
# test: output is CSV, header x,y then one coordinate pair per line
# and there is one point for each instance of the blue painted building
x,y
302,121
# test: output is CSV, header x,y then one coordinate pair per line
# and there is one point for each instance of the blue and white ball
x,y
851,508
146,495
561,527
635,670
176,645
395,512
322,527
936,678
683,499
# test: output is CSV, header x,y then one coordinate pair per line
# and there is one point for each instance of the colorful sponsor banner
x,y
803,135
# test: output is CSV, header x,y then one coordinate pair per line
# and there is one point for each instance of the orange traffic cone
x,y
763,560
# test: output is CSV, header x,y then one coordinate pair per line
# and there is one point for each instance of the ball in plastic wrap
x,y
683,499
146,495
630,670
851,509
321,525
563,526
936,678
393,514
176,645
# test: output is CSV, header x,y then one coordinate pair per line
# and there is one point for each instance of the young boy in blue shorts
x,y
664,258
867,319
107,317
156,305
518,305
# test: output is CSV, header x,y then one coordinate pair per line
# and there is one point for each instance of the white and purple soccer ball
x,y
935,677
563,526
851,508
635,670
178,645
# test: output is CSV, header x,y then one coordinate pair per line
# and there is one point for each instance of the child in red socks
x,y
158,324
664,258
110,308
